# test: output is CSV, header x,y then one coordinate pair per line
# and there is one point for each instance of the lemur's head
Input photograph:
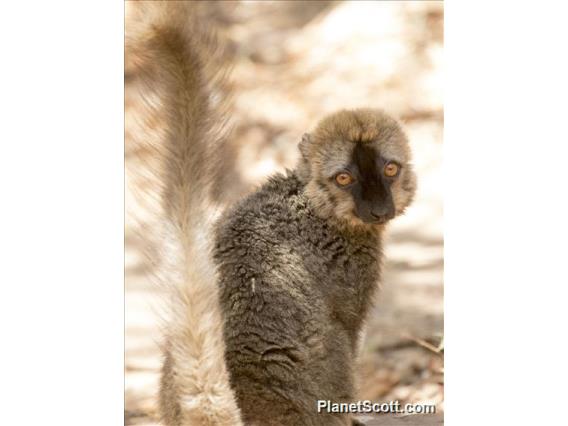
x,y
356,165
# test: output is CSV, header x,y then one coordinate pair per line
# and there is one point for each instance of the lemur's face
x,y
359,167
366,180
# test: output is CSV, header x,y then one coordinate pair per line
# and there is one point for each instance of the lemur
x,y
268,300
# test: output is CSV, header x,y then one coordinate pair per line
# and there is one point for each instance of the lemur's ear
x,y
304,145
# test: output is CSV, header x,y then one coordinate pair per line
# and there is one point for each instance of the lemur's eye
x,y
344,178
391,169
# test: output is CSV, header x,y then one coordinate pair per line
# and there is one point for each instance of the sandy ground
x,y
293,62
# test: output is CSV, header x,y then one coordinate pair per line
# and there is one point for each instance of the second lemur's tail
x,y
173,64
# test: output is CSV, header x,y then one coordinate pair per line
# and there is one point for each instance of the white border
x,y
61,225
505,213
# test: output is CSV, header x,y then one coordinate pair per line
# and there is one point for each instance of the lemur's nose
x,y
382,215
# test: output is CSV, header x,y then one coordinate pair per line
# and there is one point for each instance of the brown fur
x,y
272,322
330,146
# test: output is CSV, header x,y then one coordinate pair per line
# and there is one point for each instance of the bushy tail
x,y
173,62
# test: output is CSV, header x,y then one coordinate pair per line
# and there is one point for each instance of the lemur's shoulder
x,y
284,188
280,198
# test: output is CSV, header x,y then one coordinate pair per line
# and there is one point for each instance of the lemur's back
x,y
290,335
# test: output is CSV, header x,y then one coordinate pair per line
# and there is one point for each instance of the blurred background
x,y
292,63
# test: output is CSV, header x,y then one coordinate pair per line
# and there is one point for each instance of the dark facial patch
x,y
371,191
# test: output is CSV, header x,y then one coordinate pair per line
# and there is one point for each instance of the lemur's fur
x,y
268,303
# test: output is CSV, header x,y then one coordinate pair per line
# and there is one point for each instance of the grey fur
x,y
294,291
295,288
